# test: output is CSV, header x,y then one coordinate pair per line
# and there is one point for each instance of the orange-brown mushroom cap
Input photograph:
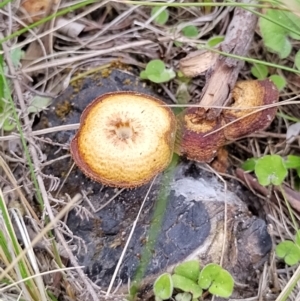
x,y
124,139
249,94
196,137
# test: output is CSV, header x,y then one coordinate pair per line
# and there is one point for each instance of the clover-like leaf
x,y
190,31
260,71
183,297
163,287
189,269
275,36
270,169
217,280
155,66
279,81
292,161
249,164
38,104
156,72
186,285
289,251
214,41
162,18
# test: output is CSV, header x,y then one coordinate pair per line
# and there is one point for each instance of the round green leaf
x,y
143,75
292,161
188,269
279,81
214,41
162,17
183,297
163,286
217,280
190,31
161,78
249,164
186,285
288,251
260,71
275,37
155,67
270,169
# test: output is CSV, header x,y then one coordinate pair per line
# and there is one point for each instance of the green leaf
x,y
289,251
292,161
275,37
16,55
297,60
279,81
218,281
270,169
38,104
155,67
186,285
8,124
163,286
188,269
143,75
162,18
183,297
214,41
157,72
260,71
249,164
190,31
178,44
159,78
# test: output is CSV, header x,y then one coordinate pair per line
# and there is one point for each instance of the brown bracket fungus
x,y
199,139
193,138
124,139
250,94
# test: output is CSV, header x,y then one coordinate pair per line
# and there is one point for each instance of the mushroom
x,y
196,137
250,94
124,139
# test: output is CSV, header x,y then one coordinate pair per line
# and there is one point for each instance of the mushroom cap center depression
x,y
126,139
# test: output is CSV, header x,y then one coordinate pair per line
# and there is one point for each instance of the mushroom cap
x,y
249,94
124,139
193,139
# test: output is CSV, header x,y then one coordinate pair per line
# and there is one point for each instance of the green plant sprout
x,y
157,72
261,72
289,250
162,17
273,169
218,281
190,31
277,38
191,281
214,41
163,287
